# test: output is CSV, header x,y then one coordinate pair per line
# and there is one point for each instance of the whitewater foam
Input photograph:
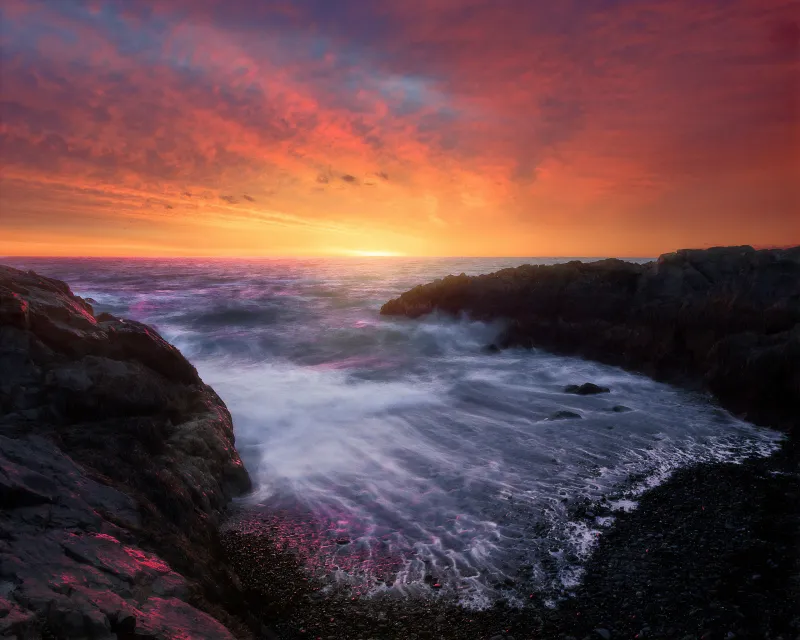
x,y
392,455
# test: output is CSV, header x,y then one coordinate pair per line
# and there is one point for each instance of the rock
x,y
726,318
171,618
116,466
585,389
620,408
23,487
605,634
565,415
17,620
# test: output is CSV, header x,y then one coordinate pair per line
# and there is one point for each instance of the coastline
x,y
116,466
709,553
727,320
746,524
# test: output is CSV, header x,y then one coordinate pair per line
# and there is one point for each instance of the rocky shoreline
x,y
714,552
117,466
725,319
711,554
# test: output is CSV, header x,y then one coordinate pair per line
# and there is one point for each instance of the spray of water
x,y
397,455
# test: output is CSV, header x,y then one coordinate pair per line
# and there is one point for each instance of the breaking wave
x,y
396,455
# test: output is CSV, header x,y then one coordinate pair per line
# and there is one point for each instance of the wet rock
x,y
23,487
586,389
565,415
16,620
171,618
116,465
727,318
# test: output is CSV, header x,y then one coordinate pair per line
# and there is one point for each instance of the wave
x,y
450,469
395,455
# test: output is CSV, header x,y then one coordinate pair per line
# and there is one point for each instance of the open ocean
x,y
385,450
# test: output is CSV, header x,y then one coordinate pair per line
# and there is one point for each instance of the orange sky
x,y
417,127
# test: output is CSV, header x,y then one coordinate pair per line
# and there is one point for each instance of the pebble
x,y
605,634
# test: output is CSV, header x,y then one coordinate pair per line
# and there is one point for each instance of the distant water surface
x,y
394,455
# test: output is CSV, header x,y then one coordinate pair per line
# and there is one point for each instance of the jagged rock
x,y
16,620
116,464
727,318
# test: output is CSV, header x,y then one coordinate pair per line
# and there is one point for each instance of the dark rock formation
x,y
565,415
586,389
116,463
726,318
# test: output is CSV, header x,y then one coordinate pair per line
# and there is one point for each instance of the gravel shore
x,y
713,553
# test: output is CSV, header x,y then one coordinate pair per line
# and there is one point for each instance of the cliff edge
x,y
116,464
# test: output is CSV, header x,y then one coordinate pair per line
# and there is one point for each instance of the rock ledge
x,y
116,464
726,319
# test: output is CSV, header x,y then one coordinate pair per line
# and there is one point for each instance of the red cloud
x,y
511,116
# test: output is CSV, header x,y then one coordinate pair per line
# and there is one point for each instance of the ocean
x,y
397,456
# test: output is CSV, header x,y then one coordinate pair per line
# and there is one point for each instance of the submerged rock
x,y
565,415
116,465
726,318
585,389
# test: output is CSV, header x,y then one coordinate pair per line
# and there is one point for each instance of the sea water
x,y
396,455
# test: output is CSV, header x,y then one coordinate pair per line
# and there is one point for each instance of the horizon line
x,y
379,256
306,257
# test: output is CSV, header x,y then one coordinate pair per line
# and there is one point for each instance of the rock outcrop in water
x,y
116,463
726,317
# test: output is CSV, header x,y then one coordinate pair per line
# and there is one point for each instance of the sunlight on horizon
x,y
374,254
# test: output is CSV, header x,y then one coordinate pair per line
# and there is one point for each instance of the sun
x,y
374,254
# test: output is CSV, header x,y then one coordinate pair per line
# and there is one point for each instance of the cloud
x,y
785,36
573,113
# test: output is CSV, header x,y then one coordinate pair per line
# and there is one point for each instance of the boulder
x,y
585,389
116,466
566,415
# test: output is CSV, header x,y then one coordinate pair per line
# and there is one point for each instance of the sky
x,y
412,127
